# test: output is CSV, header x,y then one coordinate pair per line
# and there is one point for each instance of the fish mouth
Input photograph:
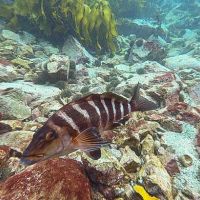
x,y
33,155
31,159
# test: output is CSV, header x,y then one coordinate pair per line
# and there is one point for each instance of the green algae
x,y
92,22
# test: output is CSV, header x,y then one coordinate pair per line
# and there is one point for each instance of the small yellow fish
x,y
142,192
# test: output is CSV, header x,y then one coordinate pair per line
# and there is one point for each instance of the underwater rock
x,y
194,93
29,88
15,124
185,160
167,122
134,132
22,63
182,62
25,51
17,140
171,125
56,68
4,154
8,125
9,163
105,171
10,35
156,179
172,167
143,50
27,38
187,192
7,73
151,67
168,88
123,43
107,174
190,77
184,112
38,180
49,49
123,67
130,160
4,128
126,137
13,105
48,108
140,28
76,51
8,49
31,126
148,145
111,62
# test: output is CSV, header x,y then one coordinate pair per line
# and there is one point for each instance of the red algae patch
x,y
62,179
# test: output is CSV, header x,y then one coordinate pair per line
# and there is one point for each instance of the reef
x,y
92,22
155,154
38,180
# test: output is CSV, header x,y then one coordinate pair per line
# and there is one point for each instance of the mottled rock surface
x,y
13,105
56,68
76,52
18,140
62,179
7,73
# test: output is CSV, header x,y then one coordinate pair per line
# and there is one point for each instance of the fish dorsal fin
x,y
86,98
94,97
83,98
136,93
95,155
140,103
89,140
145,105
112,95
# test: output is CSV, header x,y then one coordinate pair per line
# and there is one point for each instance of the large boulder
x,y
18,140
76,51
140,28
143,50
7,34
7,73
62,179
32,89
9,163
182,62
56,68
156,179
13,105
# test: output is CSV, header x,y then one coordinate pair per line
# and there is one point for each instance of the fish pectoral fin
x,y
89,140
95,155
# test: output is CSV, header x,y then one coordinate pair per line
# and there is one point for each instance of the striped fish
x,y
80,124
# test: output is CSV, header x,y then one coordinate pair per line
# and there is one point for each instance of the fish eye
x,y
51,135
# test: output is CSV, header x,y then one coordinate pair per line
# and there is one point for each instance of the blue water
x,y
55,52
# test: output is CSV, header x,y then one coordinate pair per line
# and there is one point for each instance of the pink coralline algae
x,y
165,78
184,112
62,179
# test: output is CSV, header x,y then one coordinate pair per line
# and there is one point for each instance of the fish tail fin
x,y
139,103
